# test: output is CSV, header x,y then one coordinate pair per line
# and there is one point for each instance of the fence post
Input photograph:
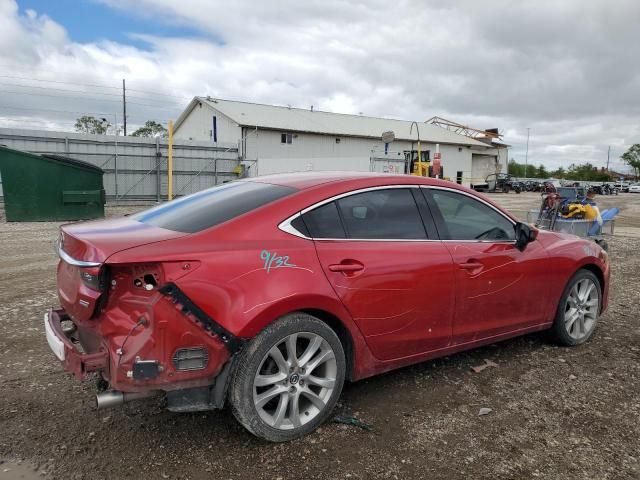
x,y
170,163
158,171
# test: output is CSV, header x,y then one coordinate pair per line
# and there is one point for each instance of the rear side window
x,y
211,207
382,214
388,214
324,222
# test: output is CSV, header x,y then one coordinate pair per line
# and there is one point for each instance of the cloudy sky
x,y
567,69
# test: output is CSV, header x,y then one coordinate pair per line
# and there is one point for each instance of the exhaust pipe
x,y
115,398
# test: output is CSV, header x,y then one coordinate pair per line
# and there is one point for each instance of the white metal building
x,y
274,139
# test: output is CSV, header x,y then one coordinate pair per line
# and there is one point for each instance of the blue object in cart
x,y
606,215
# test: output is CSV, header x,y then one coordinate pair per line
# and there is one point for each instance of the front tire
x,y
578,310
288,378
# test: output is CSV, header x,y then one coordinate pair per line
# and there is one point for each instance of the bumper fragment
x,y
75,362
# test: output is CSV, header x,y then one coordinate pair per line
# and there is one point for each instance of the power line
x,y
137,119
57,81
86,98
87,92
95,85
55,111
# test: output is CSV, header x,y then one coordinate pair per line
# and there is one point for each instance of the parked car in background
x,y
270,293
498,182
604,189
622,187
533,186
635,188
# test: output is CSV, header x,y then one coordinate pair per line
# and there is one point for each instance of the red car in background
x,y
270,292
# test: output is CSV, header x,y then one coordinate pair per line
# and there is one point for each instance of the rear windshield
x,y
205,209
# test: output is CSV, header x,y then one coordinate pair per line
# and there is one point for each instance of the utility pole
x,y
526,155
608,155
124,106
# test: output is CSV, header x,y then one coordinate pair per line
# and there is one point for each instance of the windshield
x,y
213,206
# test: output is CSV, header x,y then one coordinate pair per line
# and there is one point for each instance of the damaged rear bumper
x,y
75,361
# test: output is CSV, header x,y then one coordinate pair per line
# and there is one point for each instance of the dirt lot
x,y
557,413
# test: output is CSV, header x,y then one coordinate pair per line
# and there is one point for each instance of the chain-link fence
x,y
136,168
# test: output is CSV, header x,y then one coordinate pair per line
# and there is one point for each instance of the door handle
x,y
471,265
346,267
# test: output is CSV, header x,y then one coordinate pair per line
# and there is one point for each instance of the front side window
x,y
465,218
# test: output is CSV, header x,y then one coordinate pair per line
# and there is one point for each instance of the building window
x,y
286,138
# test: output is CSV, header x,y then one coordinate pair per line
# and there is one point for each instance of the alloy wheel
x,y
581,309
295,380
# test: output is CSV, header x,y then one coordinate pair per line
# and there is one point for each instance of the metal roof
x,y
315,121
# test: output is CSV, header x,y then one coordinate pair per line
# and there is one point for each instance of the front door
x,y
499,289
395,281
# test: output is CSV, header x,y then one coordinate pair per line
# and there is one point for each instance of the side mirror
x,y
524,235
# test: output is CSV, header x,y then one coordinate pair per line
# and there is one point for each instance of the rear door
x,y
499,289
393,278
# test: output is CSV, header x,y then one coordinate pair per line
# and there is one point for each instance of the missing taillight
x,y
148,281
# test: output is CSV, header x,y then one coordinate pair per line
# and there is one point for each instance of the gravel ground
x,y
556,413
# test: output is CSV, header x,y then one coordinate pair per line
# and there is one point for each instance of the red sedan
x,y
269,293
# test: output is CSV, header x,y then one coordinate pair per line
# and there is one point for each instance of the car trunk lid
x,y
83,249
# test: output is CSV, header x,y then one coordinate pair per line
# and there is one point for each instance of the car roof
x,y
306,180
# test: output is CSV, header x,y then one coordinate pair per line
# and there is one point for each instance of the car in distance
x,y
269,293
635,188
498,182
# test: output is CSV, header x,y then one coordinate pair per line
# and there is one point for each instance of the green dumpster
x,y
49,187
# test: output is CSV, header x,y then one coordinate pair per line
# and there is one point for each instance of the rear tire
x,y
288,378
578,310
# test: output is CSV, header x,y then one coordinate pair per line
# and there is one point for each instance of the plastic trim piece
x,y
178,297
72,261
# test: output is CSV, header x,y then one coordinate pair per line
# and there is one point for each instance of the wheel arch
x,y
597,271
341,331
360,360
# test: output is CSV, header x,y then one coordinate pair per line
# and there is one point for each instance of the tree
x,y
587,172
514,168
632,158
559,173
541,172
92,125
151,128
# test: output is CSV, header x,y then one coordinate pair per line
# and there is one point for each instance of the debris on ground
x,y
484,411
487,363
347,420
